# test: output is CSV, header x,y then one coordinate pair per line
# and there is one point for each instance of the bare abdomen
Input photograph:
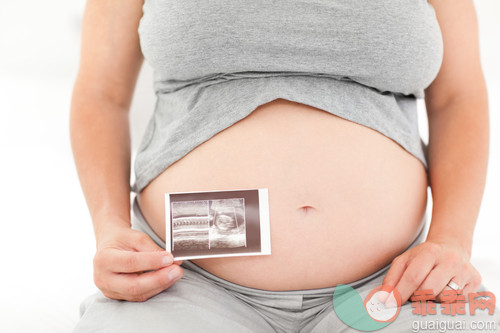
x,y
344,199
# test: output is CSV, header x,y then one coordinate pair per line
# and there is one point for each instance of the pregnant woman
x,y
313,100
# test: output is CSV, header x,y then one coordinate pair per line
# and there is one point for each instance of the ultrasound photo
x,y
217,223
206,224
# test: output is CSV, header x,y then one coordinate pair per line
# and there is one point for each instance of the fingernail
x,y
391,304
175,274
391,301
384,294
382,297
167,260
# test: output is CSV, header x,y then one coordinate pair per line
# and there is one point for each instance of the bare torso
x,y
344,199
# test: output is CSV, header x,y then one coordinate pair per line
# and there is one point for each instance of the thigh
x,y
407,321
438,321
193,304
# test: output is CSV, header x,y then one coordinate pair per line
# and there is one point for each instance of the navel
x,y
305,210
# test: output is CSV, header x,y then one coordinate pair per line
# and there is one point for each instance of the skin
x,y
377,310
458,154
457,109
103,90
364,192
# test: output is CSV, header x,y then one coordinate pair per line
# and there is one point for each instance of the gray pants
x,y
203,302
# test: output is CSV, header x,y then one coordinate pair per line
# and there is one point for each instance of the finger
x,y
393,275
415,273
437,279
468,289
468,285
395,272
468,280
474,283
140,287
173,276
449,294
132,262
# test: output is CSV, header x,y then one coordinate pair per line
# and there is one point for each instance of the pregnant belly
x,y
344,199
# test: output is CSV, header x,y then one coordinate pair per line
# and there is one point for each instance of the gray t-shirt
x,y
215,61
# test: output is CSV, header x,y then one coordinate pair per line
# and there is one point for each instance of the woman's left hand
x,y
432,265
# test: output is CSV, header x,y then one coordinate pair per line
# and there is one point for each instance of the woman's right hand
x,y
128,265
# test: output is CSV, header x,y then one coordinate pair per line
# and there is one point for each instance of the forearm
x,y
100,140
458,157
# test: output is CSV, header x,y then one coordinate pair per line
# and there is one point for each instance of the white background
x,y
46,238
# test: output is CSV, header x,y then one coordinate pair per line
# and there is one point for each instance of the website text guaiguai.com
x,y
451,326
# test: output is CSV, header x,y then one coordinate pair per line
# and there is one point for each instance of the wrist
x,y
103,228
462,243
453,229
